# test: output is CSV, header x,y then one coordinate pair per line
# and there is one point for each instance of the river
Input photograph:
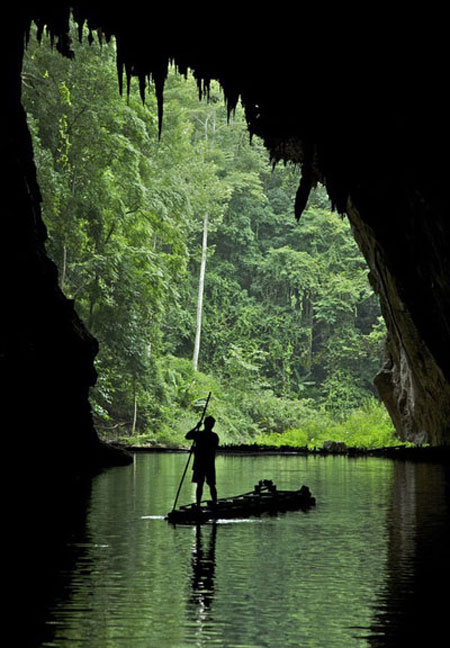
x,y
363,568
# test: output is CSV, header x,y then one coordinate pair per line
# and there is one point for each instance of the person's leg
x,y
211,481
199,491
213,490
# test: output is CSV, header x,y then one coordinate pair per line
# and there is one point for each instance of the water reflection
x,y
203,569
413,606
200,623
362,569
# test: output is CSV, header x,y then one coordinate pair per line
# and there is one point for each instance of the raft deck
x,y
265,498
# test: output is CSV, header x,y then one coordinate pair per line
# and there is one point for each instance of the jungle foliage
x,y
291,330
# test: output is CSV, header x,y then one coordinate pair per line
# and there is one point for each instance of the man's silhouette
x,y
206,442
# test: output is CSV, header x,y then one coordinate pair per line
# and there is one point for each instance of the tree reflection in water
x,y
412,609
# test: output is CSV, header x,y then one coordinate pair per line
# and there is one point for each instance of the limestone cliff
x,y
411,382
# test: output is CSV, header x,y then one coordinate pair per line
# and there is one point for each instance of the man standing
x,y
206,442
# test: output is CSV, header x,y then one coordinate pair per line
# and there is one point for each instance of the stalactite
x,y
142,85
128,73
303,191
39,31
80,21
120,66
159,88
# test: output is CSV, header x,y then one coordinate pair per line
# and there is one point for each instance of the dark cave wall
x,y
411,382
401,223
46,354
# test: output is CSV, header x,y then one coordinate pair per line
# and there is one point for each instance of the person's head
x,y
209,422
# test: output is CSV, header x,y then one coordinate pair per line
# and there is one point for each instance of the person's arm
x,y
192,434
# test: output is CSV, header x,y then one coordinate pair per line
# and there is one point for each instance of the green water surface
x,y
324,578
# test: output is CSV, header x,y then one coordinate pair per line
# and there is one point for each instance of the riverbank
x,y
299,426
440,454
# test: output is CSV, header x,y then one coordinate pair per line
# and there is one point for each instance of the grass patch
x,y
367,427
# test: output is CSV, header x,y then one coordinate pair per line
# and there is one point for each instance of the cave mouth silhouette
x,y
378,154
55,78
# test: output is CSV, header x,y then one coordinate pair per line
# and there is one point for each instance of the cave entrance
x,y
142,227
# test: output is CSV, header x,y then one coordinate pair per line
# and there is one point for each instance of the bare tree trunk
x,y
201,287
308,321
133,427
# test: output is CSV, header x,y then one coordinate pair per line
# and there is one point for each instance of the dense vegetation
x,y
291,332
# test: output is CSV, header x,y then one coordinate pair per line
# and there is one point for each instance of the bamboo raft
x,y
265,498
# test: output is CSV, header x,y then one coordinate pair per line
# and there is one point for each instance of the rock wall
x,y
46,353
411,381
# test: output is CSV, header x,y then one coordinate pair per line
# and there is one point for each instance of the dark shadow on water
x,y
203,569
413,607
51,534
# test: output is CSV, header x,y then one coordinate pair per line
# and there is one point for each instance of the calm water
x,y
361,569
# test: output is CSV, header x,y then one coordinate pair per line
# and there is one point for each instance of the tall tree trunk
x,y
201,287
133,427
308,323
